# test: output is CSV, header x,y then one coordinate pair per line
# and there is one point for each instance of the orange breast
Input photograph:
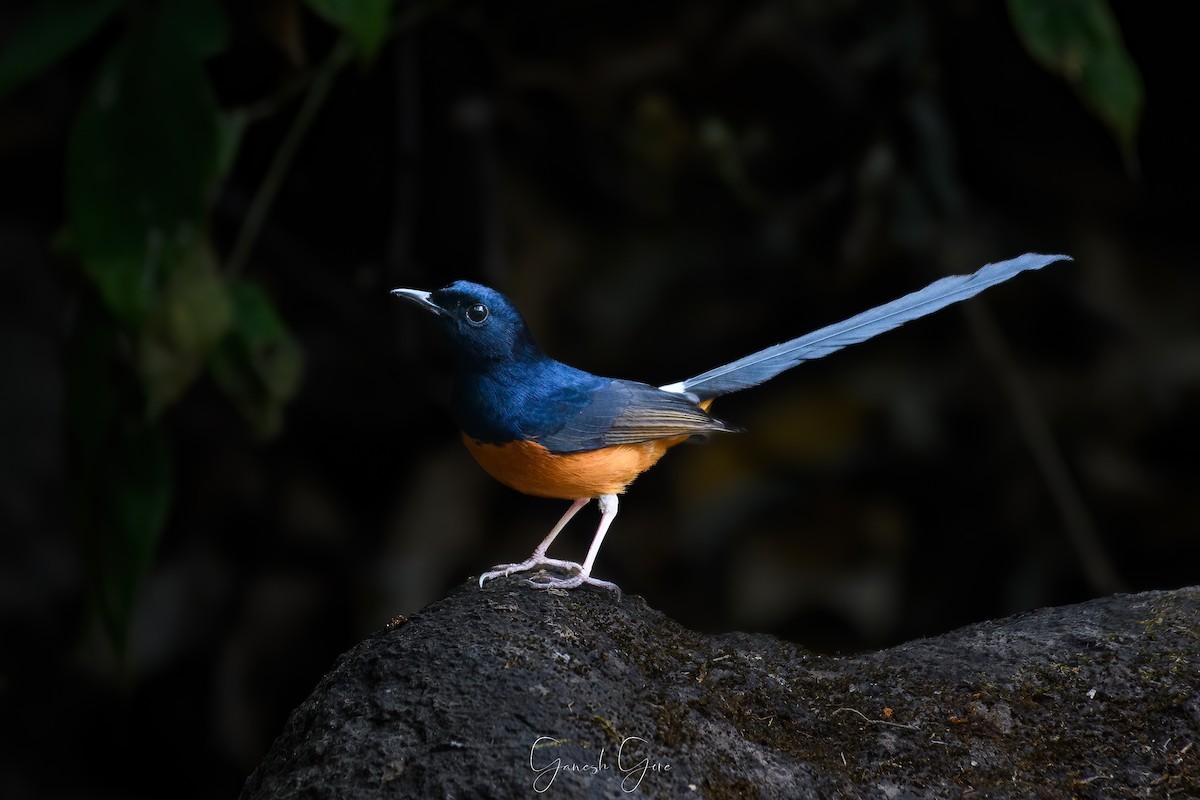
x,y
530,468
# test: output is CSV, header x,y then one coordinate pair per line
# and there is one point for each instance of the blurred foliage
x,y
258,365
1081,41
52,29
121,486
142,163
149,149
364,21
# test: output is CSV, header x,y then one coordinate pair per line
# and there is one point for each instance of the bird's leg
x,y
538,559
608,512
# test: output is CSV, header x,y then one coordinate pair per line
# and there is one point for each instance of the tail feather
x,y
766,364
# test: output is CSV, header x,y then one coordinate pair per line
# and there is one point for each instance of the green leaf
x,y
259,365
120,468
142,165
52,29
190,316
198,25
129,519
231,128
1114,88
145,154
1081,41
364,21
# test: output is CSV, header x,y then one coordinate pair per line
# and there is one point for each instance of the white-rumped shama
x,y
548,429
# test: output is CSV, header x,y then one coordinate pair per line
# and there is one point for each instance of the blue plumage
x,y
766,364
525,399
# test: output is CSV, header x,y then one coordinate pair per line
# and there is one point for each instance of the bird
x,y
548,429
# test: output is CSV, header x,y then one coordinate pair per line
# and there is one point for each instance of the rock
x,y
507,691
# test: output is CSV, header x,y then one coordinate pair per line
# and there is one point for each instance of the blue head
x,y
483,327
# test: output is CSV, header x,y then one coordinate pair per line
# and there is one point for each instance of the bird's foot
x,y
533,562
573,582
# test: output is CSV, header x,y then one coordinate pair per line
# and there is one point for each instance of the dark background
x,y
661,187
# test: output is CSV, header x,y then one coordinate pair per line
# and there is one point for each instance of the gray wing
x,y
628,412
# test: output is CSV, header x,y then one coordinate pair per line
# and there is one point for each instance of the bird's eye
x,y
477,313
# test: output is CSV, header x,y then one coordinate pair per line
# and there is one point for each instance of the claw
x,y
504,570
573,582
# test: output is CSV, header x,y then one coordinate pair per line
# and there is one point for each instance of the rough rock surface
x,y
507,691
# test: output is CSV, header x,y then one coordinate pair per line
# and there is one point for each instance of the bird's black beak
x,y
420,298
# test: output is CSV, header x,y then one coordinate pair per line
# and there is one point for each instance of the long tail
x,y
766,364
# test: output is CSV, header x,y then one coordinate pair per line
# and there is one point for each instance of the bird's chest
x,y
502,408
